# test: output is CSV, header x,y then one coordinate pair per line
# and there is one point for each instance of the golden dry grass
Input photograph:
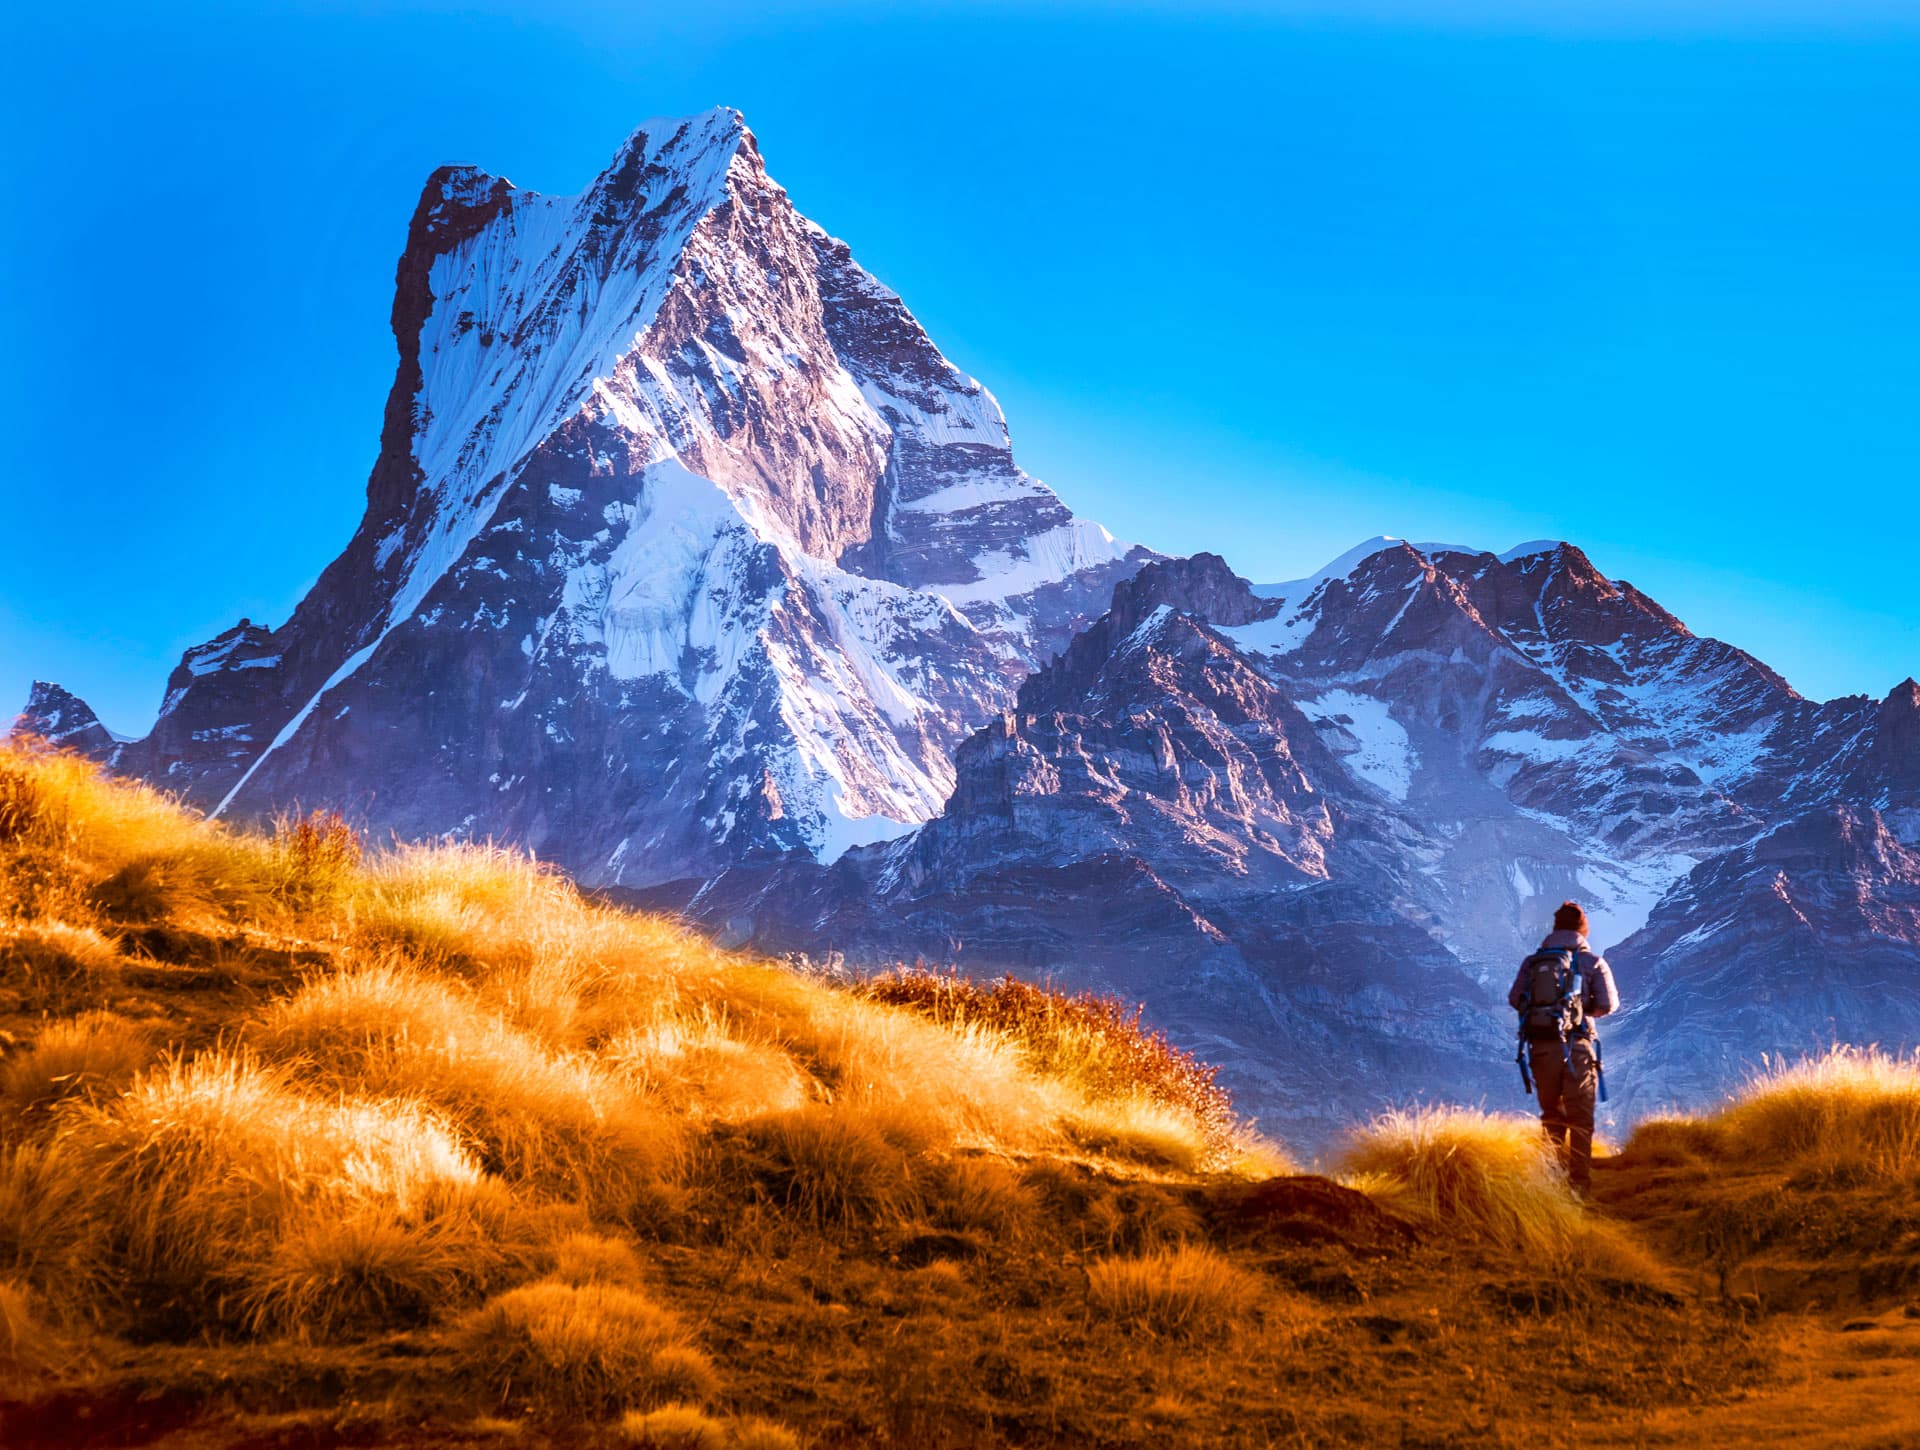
x,y
28,1347
93,1053
548,1118
50,966
214,1192
483,1086
832,1168
37,1201
1174,1107
686,1427
1491,1180
591,1258
431,1118
1851,1105
1185,1290
1806,1182
583,1348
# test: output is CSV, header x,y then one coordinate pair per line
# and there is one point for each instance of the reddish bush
x,y
1098,1042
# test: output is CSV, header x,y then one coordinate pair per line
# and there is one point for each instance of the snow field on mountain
x,y
1376,745
526,320
1281,635
1009,574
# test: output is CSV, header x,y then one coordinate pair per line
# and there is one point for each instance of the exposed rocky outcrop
x,y
62,718
1313,827
1807,936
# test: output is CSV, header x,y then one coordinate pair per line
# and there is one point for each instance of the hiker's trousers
x,y
1568,1079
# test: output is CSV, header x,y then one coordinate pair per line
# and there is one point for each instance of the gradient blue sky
x,y
1259,279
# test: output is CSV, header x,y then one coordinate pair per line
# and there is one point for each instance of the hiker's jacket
x,y
1598,994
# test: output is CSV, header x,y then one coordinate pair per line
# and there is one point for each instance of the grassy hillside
x,y
302,1146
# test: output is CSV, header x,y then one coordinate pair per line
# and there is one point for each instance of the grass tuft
x,y
221,1194
1186,1290
82,1056
37,1222
551,1120
28,1348
50,966
687,1427
1855,1105
332,1276
1095,1042
673,1427
829,1168
583,1348
1491,1178
588,1258
1496,1181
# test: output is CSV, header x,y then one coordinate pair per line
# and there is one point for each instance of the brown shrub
x,y
317,856
1097,1043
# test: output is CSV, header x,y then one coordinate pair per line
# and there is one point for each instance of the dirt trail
x,y
1837,1390
1848,1375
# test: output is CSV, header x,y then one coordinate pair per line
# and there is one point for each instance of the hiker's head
x,y
1569,917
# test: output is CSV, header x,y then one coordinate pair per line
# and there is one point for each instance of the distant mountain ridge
x,y
1315,831
690,563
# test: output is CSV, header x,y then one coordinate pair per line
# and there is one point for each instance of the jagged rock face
x,y
1313,827
1149,723
1880,763
1179,774
62,718
1156,817
1804,937
685,544
1566,735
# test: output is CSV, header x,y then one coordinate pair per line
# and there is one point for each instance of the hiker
x,y
1558,992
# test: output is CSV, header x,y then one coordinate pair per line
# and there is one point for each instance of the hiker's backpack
x,y
1553,1007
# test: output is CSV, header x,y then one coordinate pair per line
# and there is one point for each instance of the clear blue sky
x,y
1264,280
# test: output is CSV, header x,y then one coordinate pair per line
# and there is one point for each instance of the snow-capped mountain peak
x,y
684,541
